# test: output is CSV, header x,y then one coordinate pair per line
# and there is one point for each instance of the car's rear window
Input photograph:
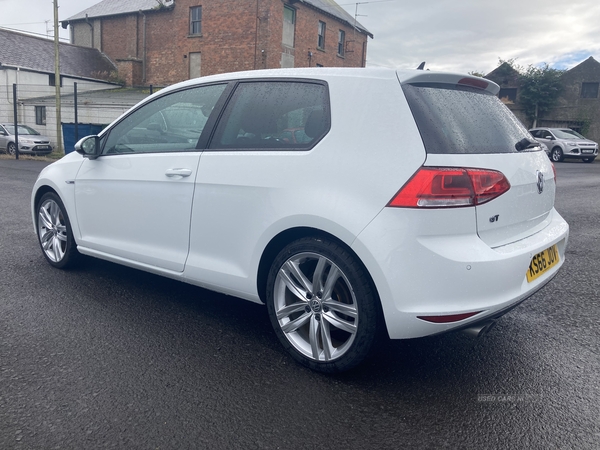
x,y
459,119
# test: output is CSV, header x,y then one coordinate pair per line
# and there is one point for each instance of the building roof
x,y
120,97
116,7
588,64
332,8
37,54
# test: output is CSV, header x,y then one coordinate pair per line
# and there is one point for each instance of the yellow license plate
x,y
542,263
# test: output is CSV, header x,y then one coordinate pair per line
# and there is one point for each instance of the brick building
x,y
161,42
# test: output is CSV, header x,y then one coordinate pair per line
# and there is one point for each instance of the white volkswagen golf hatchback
x,y
412,202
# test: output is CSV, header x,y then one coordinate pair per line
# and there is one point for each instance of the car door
x,y
134,201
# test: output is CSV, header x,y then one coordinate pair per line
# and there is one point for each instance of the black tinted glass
x,y
287,115
457,119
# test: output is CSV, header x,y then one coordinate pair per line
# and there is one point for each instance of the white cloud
x,y
472,35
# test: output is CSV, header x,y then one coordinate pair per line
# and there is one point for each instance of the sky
x,y
449,35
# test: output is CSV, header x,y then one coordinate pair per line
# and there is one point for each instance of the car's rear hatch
x,y
464,124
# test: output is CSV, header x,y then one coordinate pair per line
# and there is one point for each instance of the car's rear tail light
x,y
554,171
447,187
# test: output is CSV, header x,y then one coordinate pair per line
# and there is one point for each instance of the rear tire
x,y
322,305
54,232
556,154
11,149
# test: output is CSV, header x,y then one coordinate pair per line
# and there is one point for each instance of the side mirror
x,y
89,147
3,133
154,127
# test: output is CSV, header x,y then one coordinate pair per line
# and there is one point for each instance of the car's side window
x,y
171,123
274,115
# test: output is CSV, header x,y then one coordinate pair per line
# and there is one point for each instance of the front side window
x,y
172,123
321,38
274,115
341,42
196,20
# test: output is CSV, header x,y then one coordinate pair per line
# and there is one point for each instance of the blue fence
x,y
83,129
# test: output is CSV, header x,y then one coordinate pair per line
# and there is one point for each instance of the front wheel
x,y
322,305
54,232
557,154
588,160
11,148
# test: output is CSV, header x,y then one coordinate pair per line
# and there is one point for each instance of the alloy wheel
x,y
52,230
315,306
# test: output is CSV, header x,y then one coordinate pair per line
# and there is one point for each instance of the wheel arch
x,y
285,237
42,190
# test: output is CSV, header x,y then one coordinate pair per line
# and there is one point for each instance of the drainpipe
x,y
143,48
91,28
256,35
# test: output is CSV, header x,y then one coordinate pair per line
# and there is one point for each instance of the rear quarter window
x,y
274,115
463,120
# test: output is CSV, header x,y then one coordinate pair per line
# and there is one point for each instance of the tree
x,y
477,73
540,88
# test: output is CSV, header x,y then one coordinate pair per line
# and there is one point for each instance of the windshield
x,y
23,129
456,119
568,134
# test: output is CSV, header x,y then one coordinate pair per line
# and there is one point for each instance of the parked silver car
x,y
566,143
30,141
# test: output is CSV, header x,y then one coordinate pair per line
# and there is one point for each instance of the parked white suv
x,y
566,143
415,203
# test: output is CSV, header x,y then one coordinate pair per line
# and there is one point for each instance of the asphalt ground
x,y
110,357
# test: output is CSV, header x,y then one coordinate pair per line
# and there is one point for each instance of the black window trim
x,y
229,92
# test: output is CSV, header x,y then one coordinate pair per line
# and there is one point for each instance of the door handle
x,y
174,173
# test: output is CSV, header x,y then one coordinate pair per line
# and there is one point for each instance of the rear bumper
x,y
420,273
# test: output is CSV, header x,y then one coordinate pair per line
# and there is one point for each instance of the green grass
x,y
50,158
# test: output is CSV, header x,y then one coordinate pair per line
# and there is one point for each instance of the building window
x,y
341,42
196,20
289,23
40,115
321,40
52,80
508,95
589,90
